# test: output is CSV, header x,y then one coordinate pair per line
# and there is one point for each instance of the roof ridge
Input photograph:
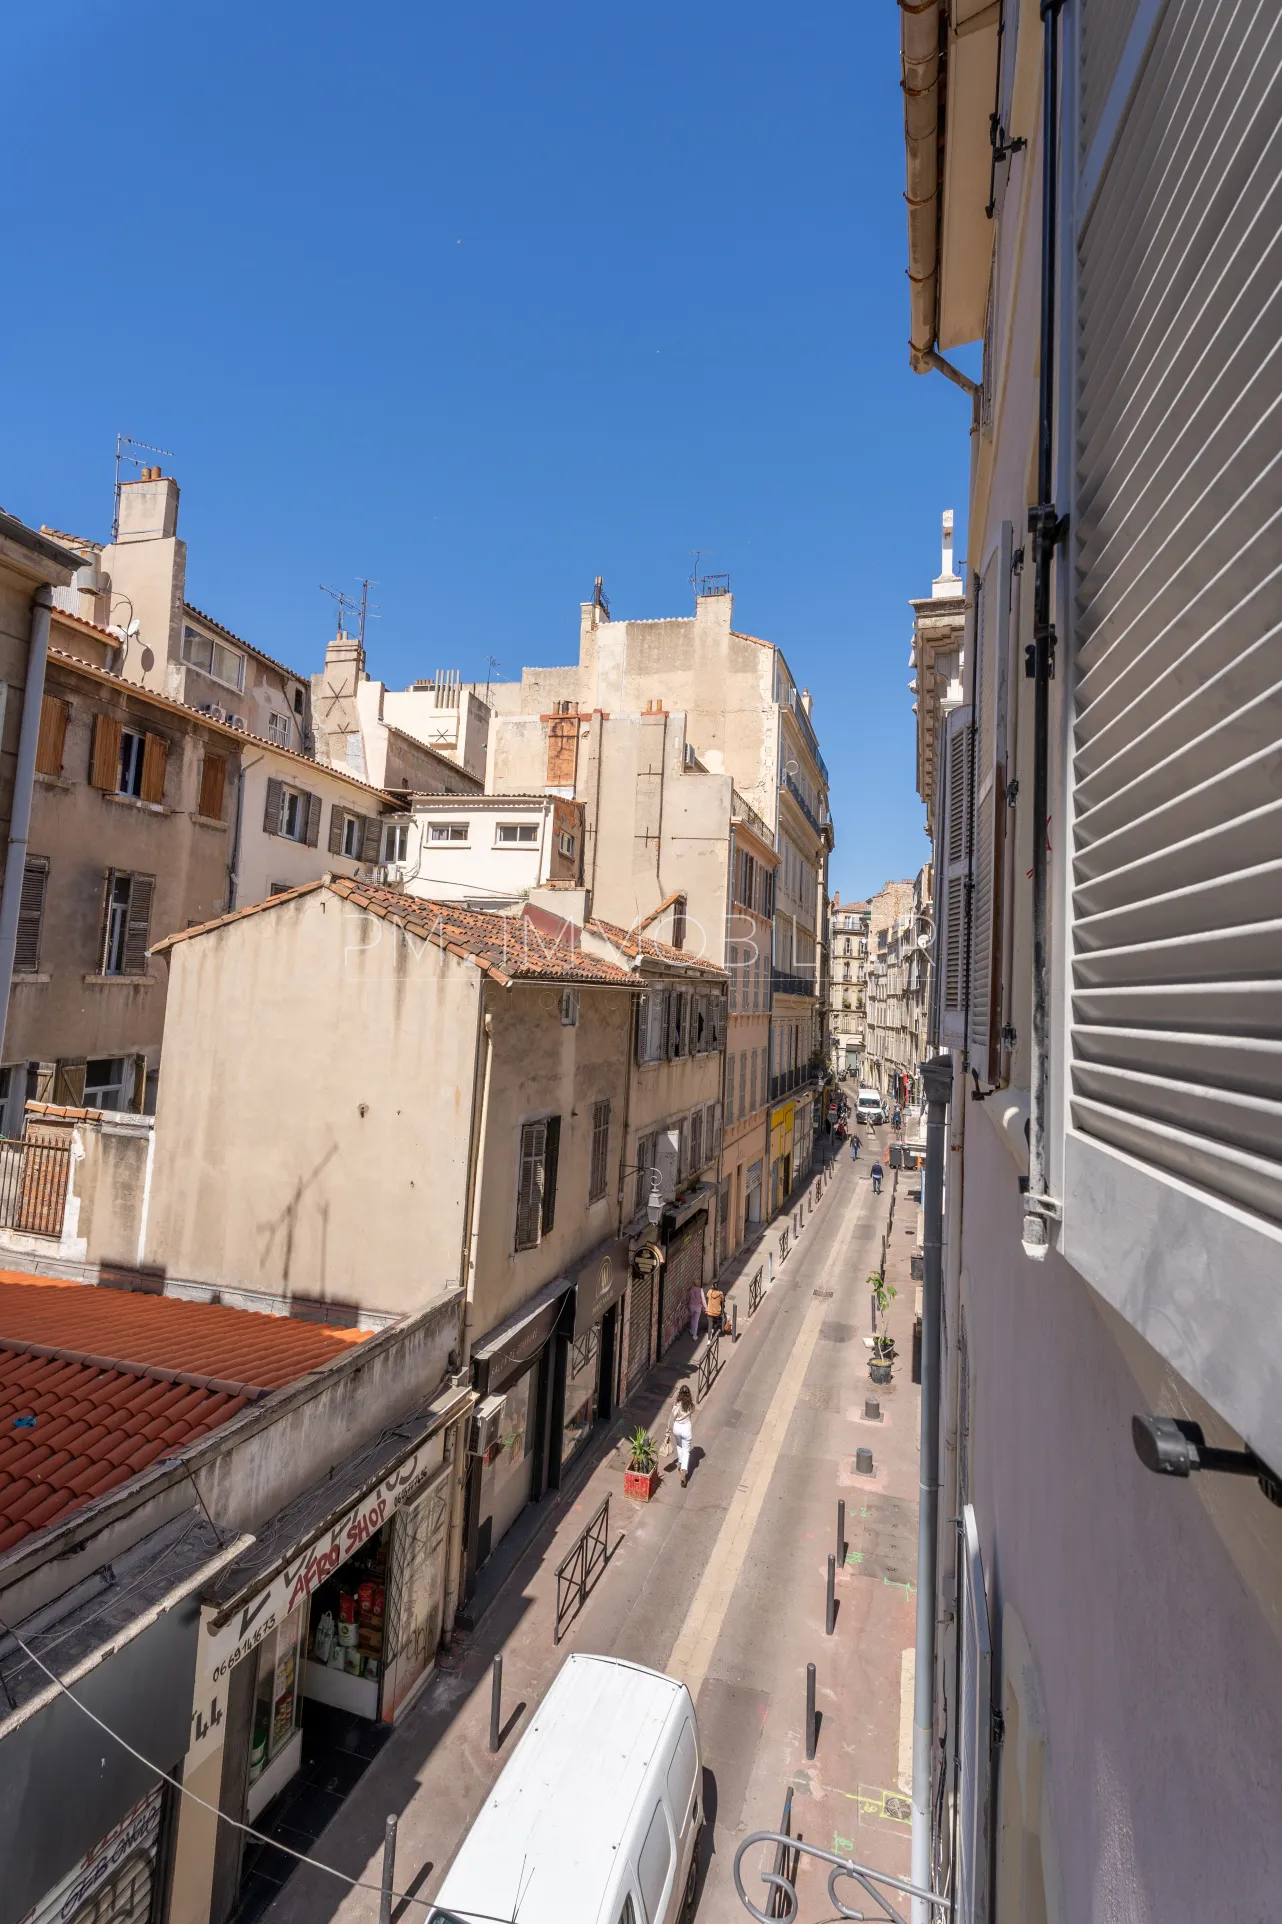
x,y
190,608
156,1372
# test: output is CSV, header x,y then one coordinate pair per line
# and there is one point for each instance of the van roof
x,y
544,1846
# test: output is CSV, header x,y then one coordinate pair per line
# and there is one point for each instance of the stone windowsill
x,y
53,781
117,981
208,821
21,975
132,801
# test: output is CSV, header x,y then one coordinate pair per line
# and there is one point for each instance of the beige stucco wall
x,y
265,859
314,1111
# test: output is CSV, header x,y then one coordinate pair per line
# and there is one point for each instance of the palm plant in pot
x,y
641,1477
883,1344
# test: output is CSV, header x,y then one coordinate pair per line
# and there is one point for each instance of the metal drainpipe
x,y
233,870
937,1075
485,1029
1047,530
24,778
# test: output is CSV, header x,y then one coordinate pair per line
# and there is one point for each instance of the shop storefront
x,y
782,1125
595,1353
646,1269
519,1376
688,1229
752,1196
115,1882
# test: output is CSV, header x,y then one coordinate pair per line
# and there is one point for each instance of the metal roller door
x,y
640,1323
683,1267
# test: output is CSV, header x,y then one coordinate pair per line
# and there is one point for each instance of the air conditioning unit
x,y
388,875
487,1427
212,709
236,721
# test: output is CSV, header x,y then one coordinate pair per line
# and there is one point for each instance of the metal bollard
x,y
811,1732
387,1891
734,1322
496,1704
770,1268
841,1531
830,1618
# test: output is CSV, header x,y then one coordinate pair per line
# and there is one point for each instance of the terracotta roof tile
x,y
531,946
630,942
114,1381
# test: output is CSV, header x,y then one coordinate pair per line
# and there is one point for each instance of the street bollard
x,y
841,1531
734,1322
811,1733
872,1409
387,1891
830,1617
496,1704
863,1461
770,1268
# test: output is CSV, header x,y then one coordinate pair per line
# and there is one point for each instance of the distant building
x,y
847,983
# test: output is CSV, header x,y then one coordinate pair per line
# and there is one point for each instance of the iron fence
x,y
755,1292
783,1244
580,1567
34,1177
709,1365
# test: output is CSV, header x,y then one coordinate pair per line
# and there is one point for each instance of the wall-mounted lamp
x,y
1172,1446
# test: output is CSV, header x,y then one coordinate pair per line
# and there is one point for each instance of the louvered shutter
x,y
213,783
990,699
272,807
138,928
312,835
529,1193
54,714
950,928
1177,821
155,760
551,1156
31,909
104,754
371,837
335,829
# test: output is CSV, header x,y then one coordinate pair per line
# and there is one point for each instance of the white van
x,y
595,1818
869,1106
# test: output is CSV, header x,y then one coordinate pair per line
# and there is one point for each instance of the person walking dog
x,y
876,1173
682,1427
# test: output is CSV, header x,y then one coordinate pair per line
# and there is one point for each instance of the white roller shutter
x,y
1176,1045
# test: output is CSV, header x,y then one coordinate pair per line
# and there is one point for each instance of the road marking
x,y
907,1676
697,1637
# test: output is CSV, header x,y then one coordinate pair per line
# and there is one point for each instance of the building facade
x,y
1104,803
847,984
897,983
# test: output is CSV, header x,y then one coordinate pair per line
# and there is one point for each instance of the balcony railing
x,y
33,1185
794,789
741,806
784,983
787,1080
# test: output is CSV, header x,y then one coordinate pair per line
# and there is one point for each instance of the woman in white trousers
x,y
683,1430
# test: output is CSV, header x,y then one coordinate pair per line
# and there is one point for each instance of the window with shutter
x,y
31,909
598,1176
696,1141
104,753
529,1193
730,1085
213,783
336,821
311,834
138,928
155,760
950,935
54,715
551,1155
272,808
372,835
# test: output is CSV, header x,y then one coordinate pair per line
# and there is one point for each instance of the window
x,y
203,652
712,1131
396,842
280,888
651,1025
278,729
509,834
298,701
734,977
31,910
645,1163
109,1082
599,1175
696,1141
213,784
447,831
743,1083
569,1008
292,813
126,923
679,922
654,1865
730,1085
54,715
536,1180
125,761
565,842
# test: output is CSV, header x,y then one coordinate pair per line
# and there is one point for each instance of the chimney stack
x,y
148,508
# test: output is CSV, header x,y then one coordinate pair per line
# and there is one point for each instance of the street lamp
x,y
654,1203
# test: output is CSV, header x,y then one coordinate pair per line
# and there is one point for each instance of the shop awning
x,y
521,1337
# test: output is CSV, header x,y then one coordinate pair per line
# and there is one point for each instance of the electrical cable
x,y
301,1857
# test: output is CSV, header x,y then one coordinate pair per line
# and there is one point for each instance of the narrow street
x,y
722,1584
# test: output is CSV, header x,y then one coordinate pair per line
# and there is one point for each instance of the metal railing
x,y
783,1244
785,982
787,1080
579,1568
34,1178
755,1292
794,789
709,1365
782,1881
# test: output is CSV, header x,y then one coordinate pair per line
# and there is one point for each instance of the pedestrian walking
x,y
876,1173
696,1303
854,1149
682,1427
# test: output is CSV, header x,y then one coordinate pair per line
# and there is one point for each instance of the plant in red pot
x,y
641,1478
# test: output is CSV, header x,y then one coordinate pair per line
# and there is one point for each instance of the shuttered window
x,y
104,753
950,933
371,838
155,760
598,1176
54,715
31,911
983,986
126,925
1176,1045
213,783
536,1180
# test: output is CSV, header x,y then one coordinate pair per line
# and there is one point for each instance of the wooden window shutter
x,y
69,1084
312,836
138,930
271,812
213,785
31,909
529,1192
335,830
54,714
155,760
551,1155
104,755
371,838
563,752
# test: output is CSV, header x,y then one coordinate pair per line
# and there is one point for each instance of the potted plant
x,y
883,1344
641,1478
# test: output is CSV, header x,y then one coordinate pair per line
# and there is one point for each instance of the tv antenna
x,y
360,607
492,666
707,584
123,443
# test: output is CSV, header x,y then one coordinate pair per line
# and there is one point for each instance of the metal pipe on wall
x,y
937,1075
24,777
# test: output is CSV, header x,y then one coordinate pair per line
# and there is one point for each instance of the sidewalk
x,y
434,1770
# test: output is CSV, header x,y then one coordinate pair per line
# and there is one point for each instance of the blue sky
x,y
483,302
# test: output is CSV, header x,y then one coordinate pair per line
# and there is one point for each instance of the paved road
x,y
721,1584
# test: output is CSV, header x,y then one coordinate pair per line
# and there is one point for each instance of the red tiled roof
x,y
115,1381
630,942
507,948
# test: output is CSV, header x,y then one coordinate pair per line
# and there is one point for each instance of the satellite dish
x,y
134,628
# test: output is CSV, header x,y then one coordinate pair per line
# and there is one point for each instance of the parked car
x,y
595,1817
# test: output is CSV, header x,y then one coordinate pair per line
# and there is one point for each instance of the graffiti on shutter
x,y
683,1267
640,1321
